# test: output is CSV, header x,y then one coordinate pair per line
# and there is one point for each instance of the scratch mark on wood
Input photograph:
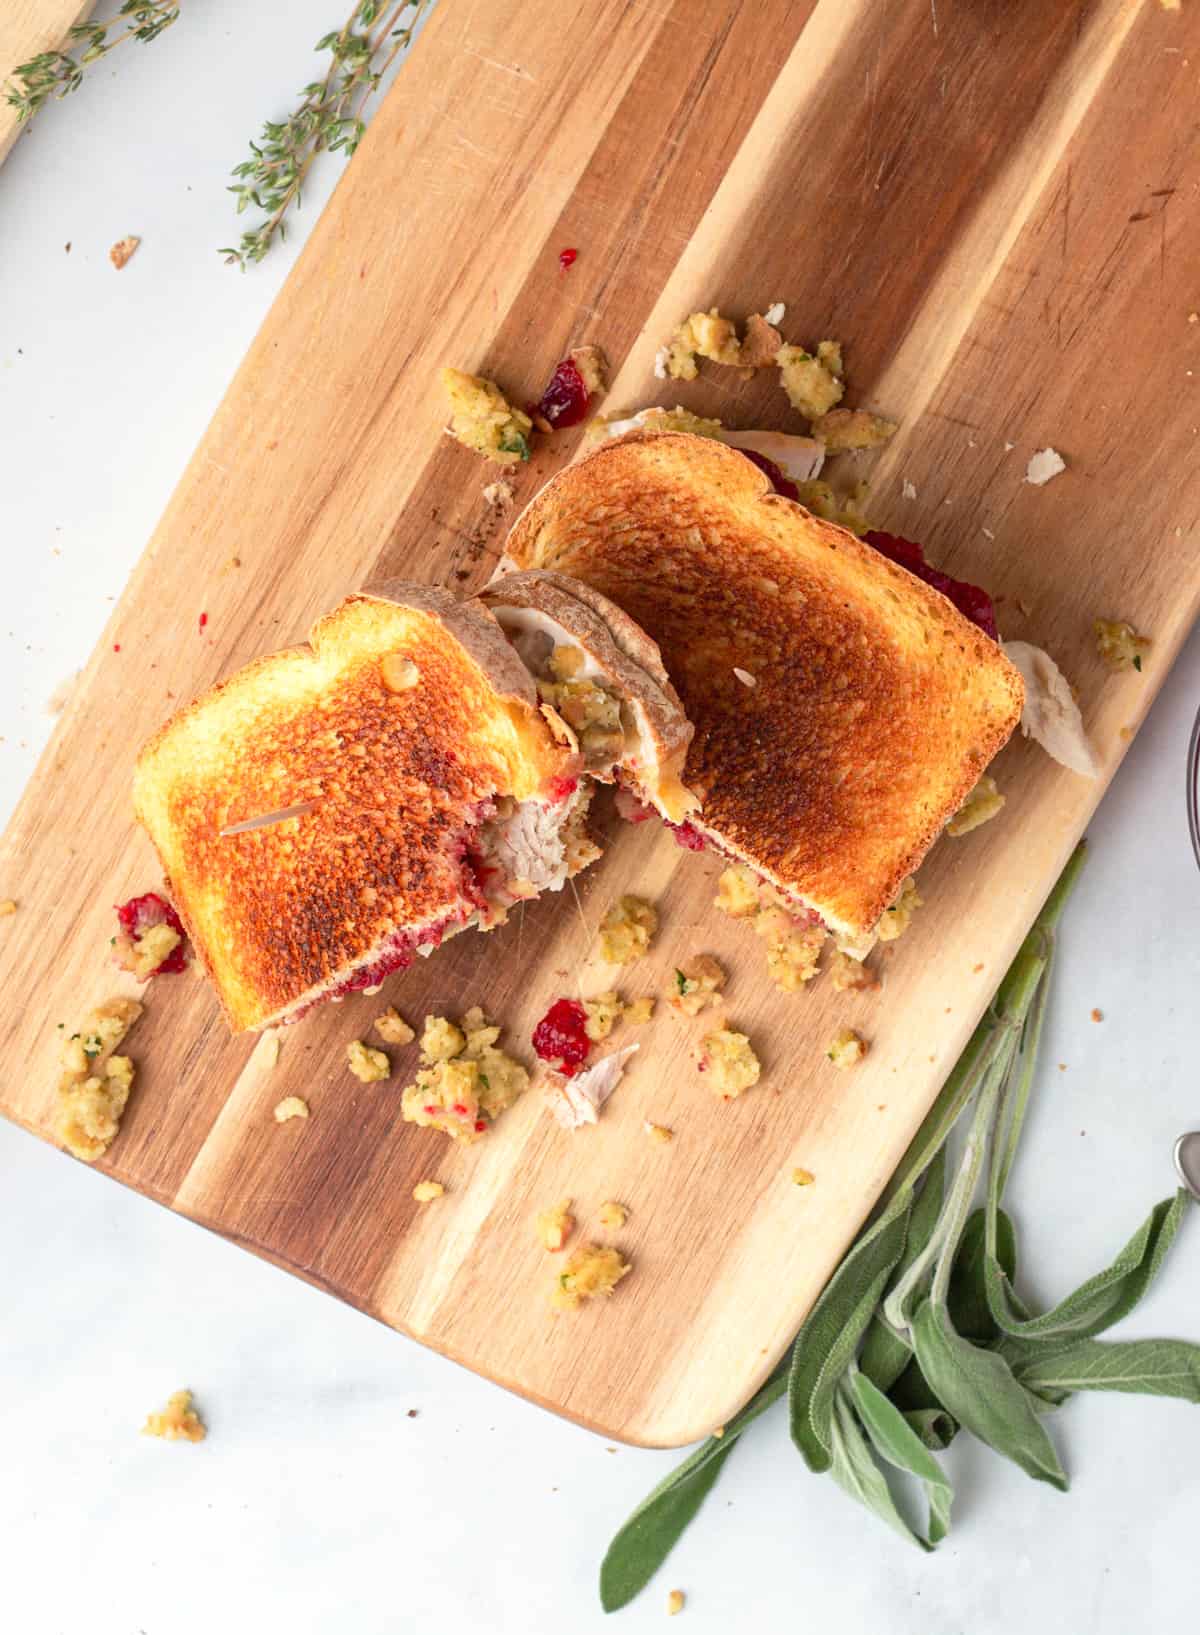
x,y
505,67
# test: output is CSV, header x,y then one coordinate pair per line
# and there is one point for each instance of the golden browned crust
x,y
621,648
874,706
280,914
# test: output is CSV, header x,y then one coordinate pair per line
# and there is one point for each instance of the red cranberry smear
x,y
781,483
565,401
140,913
972,601
560,788
567,258
561,1035
687,836
630,807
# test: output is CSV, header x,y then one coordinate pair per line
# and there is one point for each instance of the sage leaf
x,y
648,1537
826,1345
895,1440
967,1301
936,1428
1103,1299
979,1389
853,1468
885,1355
911,1391
651,1533
1160,1368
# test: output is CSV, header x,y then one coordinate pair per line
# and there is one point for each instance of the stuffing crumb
x,y
612,1215
659,1133
602,1012
729,1062
177,1422
466,1081
775,313
846,510
626,930
7,908
760,343
94,1087
426,1191
641,1010
441,1040
980,806
400,674
793,948
737,892
392,1028
123,250
675,1601
1044,465
794,957
850,975
843,430
702,335
1119,644
897,919
1097,1016
367,1064
498,494
290,1107
695,984
143,956
812,386
846,1047
482,419
590,1272
803,1177
555,1225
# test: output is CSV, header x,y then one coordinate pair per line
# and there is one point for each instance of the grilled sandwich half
x,y
843,710
432,793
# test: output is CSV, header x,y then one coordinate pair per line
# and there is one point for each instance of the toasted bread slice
x,y
866,706
402,728
601,671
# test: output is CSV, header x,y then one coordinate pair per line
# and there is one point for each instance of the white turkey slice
x,y
1051,715
577,1100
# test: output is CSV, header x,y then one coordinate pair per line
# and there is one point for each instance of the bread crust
x,y
875,705
282,914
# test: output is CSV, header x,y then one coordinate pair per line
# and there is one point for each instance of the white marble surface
x,y
317,1504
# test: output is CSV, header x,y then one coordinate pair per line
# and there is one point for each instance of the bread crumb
x,y
1044,465
975,969
400,674
591,1271
803,1177
426,1191
744,676
675,1601
1119,644
555,1225
268,1049
367,1064
980,806
908,490
626,930
658,1133
695,984
775,313
7,907
498,494
177,1422
612,1216
1097,1016
846,1048
123,250
290,1107
392,1028
729,1061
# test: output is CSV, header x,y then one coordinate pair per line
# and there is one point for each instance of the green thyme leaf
x,y
681,981
515,443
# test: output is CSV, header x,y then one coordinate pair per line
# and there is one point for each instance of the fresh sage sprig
x,y
58,73
327,119
920,1331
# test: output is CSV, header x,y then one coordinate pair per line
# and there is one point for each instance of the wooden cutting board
x,y
27,28
989,204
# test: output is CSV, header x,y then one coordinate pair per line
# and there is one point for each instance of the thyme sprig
x,y
58,73
328,118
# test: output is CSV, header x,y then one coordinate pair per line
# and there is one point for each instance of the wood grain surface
x,y
28,27
991,202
